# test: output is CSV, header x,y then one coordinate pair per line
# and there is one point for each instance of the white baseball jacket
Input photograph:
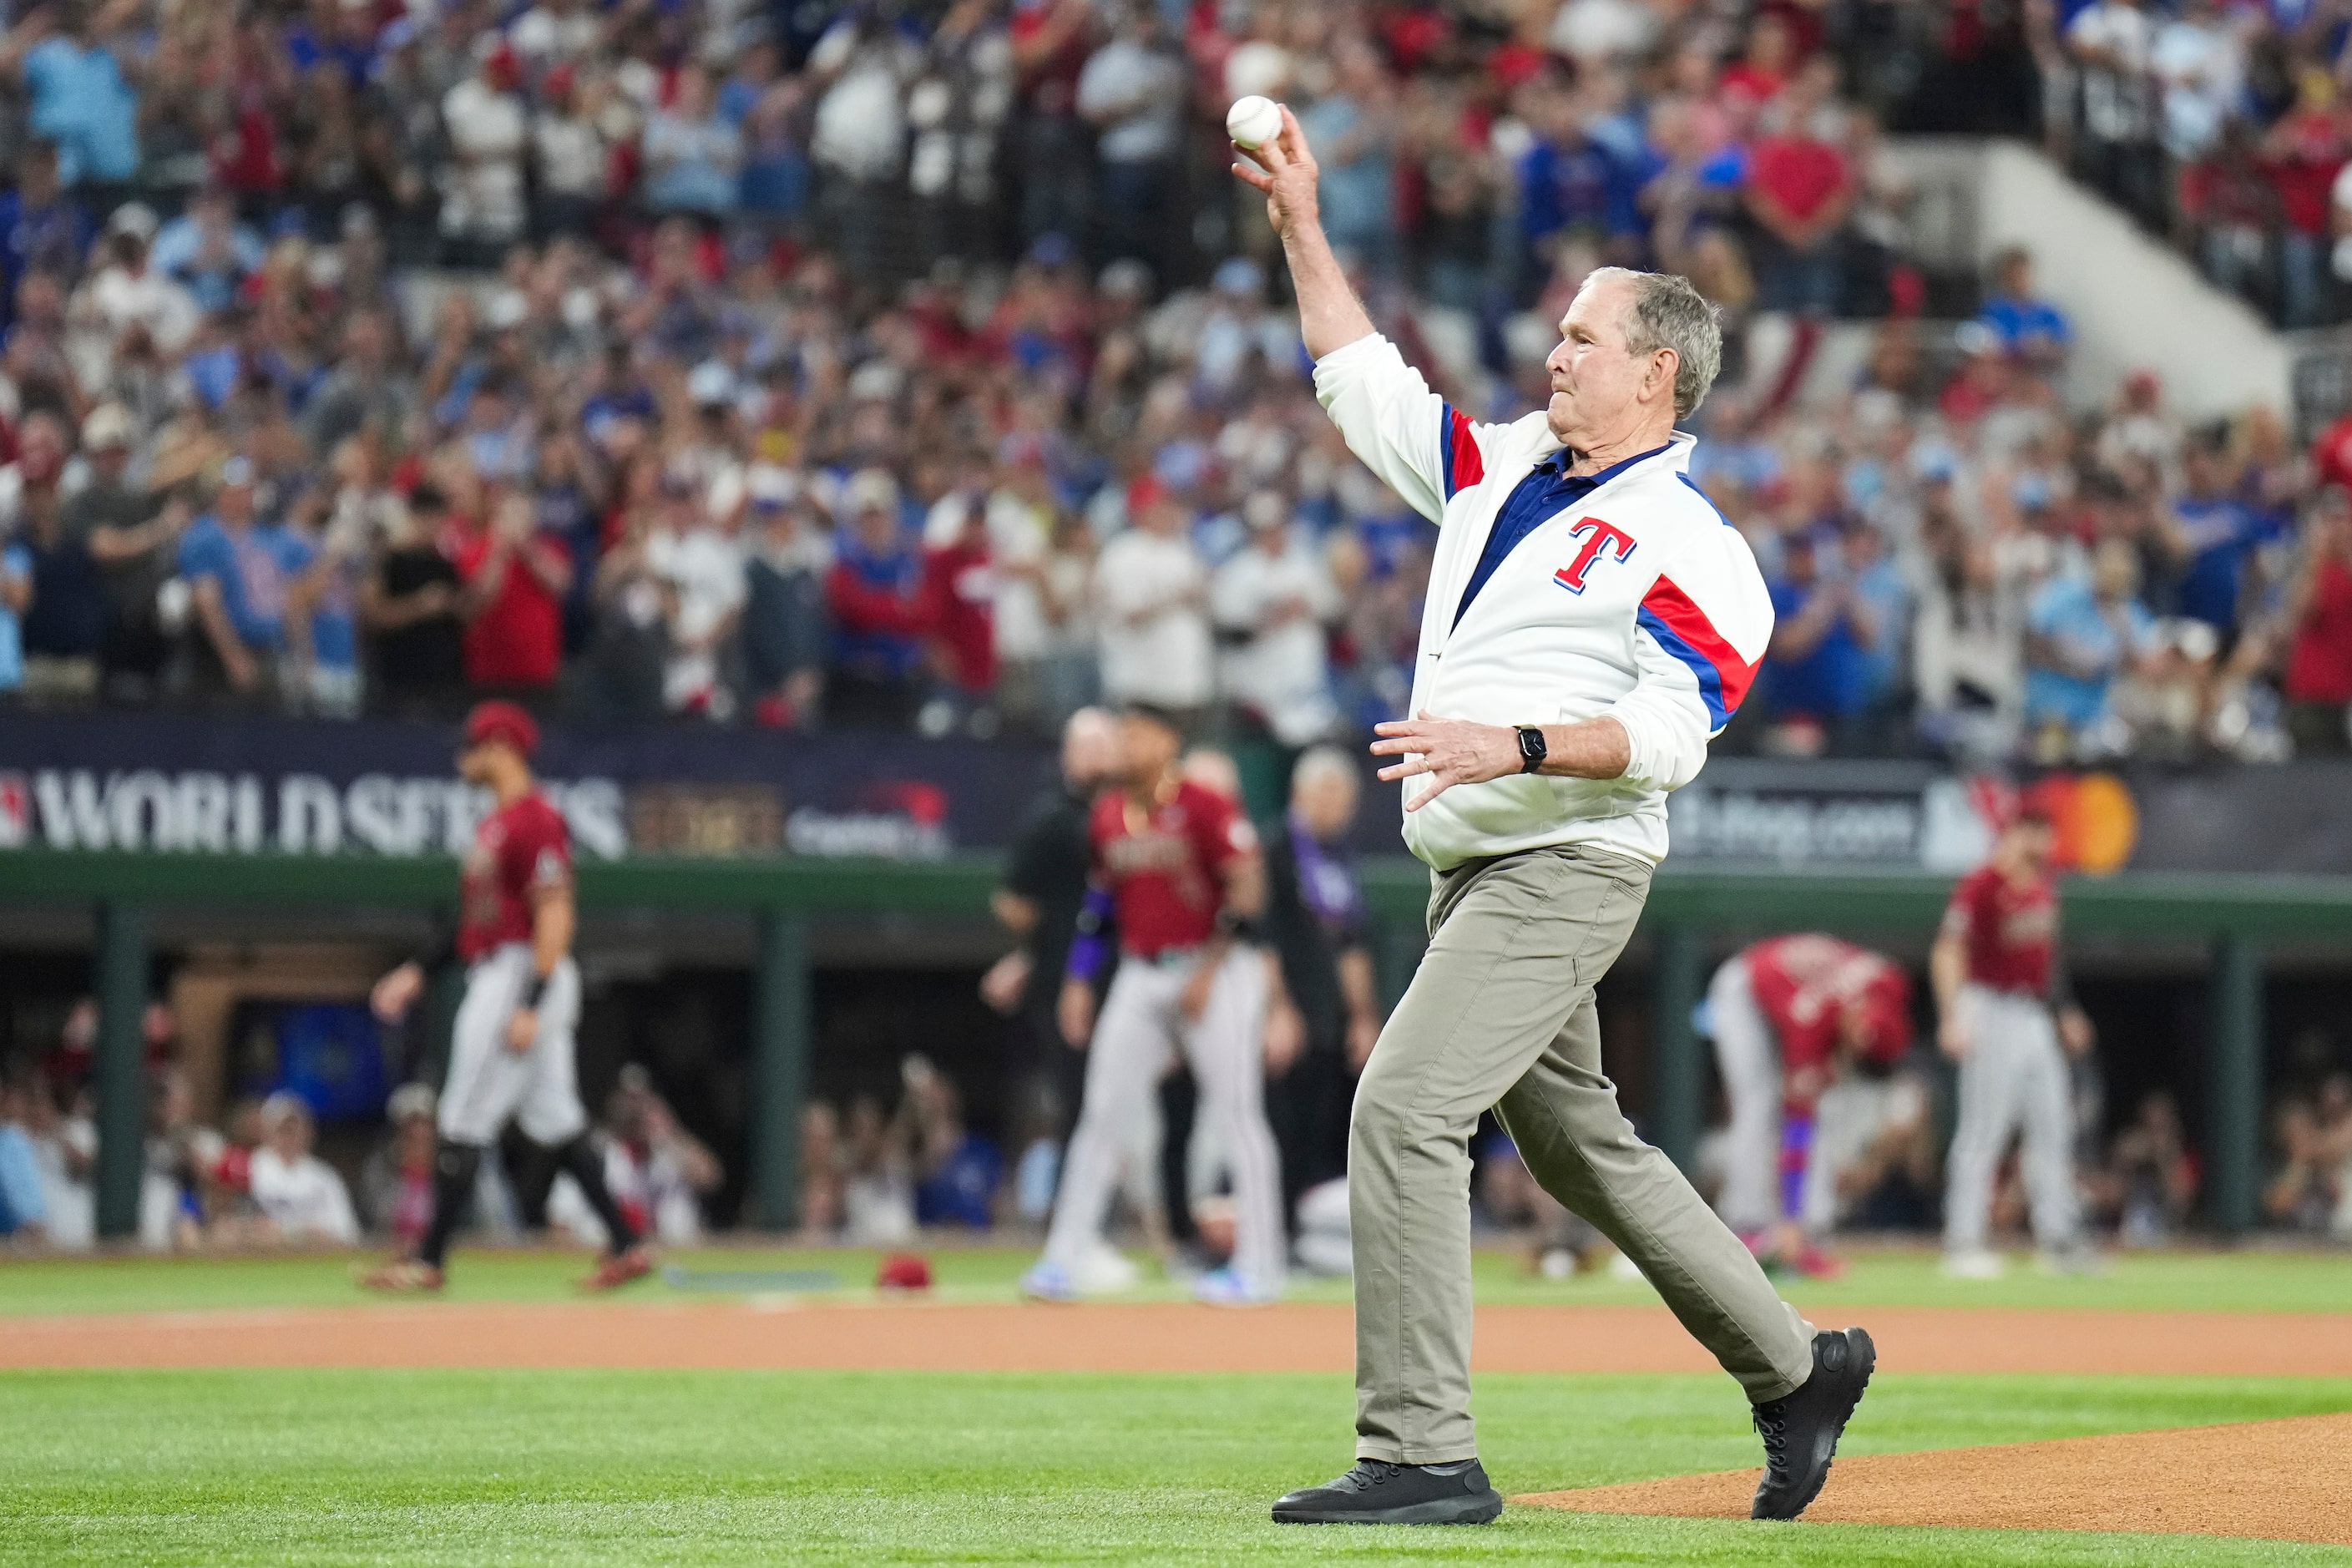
x,y
1638,601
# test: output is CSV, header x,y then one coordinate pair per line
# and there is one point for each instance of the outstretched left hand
x,y
1451,751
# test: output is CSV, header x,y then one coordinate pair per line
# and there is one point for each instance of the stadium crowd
x,y
925,369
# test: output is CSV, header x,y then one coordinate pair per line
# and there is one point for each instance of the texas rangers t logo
x,y
1598,536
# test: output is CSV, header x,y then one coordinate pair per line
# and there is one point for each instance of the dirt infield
x,y
1131,1337
2279,1480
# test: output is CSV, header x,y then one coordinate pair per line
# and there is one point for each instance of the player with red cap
x,y
511,1052
1786,1013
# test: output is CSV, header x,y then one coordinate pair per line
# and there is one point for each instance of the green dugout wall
x,y
2235,918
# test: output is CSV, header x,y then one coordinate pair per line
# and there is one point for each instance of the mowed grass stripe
x,y
337,1467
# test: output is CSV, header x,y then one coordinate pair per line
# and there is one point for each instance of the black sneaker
x,y
1377,1492
1801,1430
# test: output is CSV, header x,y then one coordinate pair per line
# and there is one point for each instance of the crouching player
x,y
511,1054
1785,1011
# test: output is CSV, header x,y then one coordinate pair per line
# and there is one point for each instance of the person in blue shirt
x,y
24,1210
1571,183
41,227
2081,633
16,593
2027,326
2210,535
240,568
80,99
1818,670
207,250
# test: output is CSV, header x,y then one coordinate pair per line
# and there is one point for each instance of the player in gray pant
x,y
1995,970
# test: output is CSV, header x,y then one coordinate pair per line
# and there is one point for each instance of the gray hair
x,y
1669,312
1319,763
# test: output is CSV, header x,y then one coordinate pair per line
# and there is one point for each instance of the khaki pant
x,y
1501,1014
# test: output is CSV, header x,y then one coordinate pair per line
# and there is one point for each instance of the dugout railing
x,y
2235,920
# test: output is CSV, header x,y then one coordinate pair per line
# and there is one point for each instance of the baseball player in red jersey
x,y
1995,970
1176,867
1784,1012
511,1054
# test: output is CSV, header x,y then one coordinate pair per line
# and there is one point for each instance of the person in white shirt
x,y
700,560
482,203
1275,596
298,1192
1590,624
2113,42
2200,64
1151,592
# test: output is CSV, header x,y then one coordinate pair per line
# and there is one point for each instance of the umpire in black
x,y
1045,883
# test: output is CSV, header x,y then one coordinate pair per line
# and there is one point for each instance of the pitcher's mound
x,y
2282,1480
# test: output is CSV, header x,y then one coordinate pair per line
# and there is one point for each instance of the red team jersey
x,y
1803,984
1164,870
2011,933
517,850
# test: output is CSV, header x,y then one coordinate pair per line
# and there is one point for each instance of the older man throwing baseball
x,y
1591,623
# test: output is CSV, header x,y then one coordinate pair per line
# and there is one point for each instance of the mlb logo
x,y
15,811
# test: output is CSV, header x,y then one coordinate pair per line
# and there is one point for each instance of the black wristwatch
x,y
1532,750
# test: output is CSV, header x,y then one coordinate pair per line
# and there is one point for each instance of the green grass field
x,y
2173,1281
548,1468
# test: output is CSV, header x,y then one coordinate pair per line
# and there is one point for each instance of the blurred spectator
x,y
207,251
2023,322
515,580
880,611
486,120
692,153
956,1171
877,1196
658,1173
1273,598
298,1192
1818,682
960,591
1151,592
65,1148
63,624
2212,535
823,1164
239,566
24,1207
699,561
1131,92
2082,633
131,541
2309,1192
1316,923
410,609
42,227
1799,191
2154,1177
2318,622
80,99
783,604
397,1180
2112,42
1353,128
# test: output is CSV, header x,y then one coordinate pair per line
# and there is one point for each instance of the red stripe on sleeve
x,y
1469,468
1666,601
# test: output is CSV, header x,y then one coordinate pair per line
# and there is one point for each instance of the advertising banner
x,y
180,782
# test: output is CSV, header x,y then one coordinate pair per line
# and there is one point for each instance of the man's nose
x,y
1556,362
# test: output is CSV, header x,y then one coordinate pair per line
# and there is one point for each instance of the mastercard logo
x,y
2096,818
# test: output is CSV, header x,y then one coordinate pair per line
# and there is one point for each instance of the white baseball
x,y
1253,122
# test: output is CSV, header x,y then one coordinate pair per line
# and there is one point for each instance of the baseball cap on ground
x,y
903,1271
506,722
